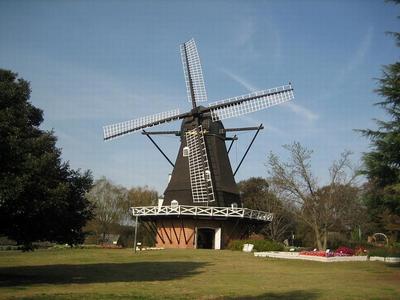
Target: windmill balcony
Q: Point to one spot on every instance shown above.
(202, 211)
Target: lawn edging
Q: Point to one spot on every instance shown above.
(296, 255)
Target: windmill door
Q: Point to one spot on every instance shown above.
(208, 238)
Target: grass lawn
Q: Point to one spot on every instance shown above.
(187, 274)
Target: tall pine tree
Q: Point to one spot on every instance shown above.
(382, 164)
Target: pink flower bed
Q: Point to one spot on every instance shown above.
(344, 251)
(317, 253)
(341, 251)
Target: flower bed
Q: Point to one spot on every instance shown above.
(341, 251)
(344, 251)
(317, 253)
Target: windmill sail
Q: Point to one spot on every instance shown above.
(241, 105)
(199, 169)
(123, 128)
(195, 87)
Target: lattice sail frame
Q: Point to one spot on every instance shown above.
(127, 127)
(199, 169)
(193, 72)
(241, 105)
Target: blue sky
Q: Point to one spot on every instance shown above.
(92, 63)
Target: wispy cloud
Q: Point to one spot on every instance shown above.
(358, 57)
(302, 111)
(245, 32)
(247, 42)
(296, 108)
(351, 65)
(247, 85)
(361, 52)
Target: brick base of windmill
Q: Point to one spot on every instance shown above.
(199, 227)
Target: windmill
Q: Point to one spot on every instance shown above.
(202, 183)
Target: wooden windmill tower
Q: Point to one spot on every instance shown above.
(201, 206)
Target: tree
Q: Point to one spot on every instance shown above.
(41, 198)
(111, 206)
(112, 215)
(382, 164)
(256, 194)
(141, 196)
(322, 208)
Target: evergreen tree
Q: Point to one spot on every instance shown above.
(41, 198)
(382, 164)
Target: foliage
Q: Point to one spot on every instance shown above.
(384, 252)
(142, 196)
(360, 251)
(111, 206)
(259, 245)
(255, 194)
(112, 215)
(41, 198)
(334, 207)
(382, 164)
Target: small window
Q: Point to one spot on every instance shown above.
(186, 151)
(174, 203)
(208, 175)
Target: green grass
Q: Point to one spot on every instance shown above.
(187, 274)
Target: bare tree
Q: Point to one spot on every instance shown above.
(321, 208)
(110, 205)
(256, 194)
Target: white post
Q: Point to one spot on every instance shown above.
(217, 239)
(136, 229)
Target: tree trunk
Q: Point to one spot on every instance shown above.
(317, 237)
(325, 237)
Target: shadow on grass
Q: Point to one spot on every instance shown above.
(393, 265)
(98, 273)
(292, 295)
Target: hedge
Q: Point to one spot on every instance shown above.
(259, 245)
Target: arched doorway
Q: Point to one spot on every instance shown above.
(205, 238)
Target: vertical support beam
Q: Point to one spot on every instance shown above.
(136, 230)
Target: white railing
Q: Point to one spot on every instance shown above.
(206, 211)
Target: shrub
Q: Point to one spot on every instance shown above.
(259, 245)
(236, 245)
(360, 251)
(385, 252)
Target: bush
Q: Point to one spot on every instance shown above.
(259, 245)
(385, 252)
